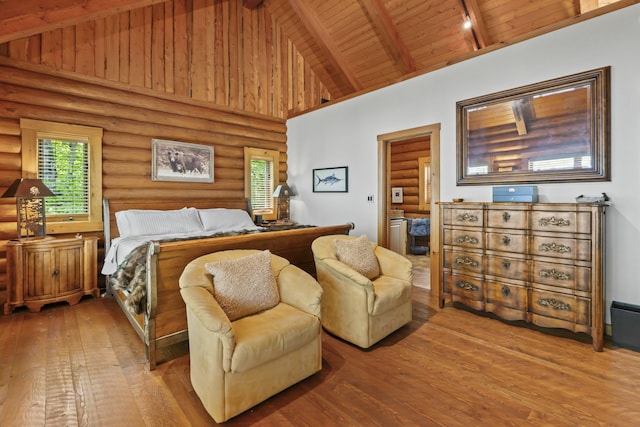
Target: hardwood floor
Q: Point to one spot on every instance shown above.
(84, 365)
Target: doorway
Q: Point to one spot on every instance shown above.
(385, 141)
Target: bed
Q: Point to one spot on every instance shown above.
(160, 319)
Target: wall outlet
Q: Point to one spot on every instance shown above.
(370, 198)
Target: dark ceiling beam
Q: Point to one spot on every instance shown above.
(251, 4)
(478, 27)
(24, 18)
(336, 61)
(388, 34)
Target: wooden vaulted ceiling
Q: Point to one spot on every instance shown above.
(354, 46)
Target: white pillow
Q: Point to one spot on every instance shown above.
(223, 220)
(139, 222)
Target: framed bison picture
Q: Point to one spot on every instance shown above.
(181, 161)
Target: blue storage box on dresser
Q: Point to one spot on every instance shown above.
(515, 193)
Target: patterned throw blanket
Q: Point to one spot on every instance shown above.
(131, 274)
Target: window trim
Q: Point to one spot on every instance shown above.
(32, 130)
(261, 153)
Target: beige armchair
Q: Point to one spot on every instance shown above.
(358, 309)
(236, 365)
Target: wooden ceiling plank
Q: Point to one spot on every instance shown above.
(251, 4)
(24, 18)
(323, 39)
(388, 34)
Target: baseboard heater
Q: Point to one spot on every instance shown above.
(625, 325)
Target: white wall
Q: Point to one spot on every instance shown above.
(345, 134)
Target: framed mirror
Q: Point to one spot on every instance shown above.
(553, 131)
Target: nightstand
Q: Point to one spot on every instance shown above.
(48, 270)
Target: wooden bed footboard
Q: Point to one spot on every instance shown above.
(166, 319)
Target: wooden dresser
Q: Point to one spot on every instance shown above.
(43, 271)
(541, 263)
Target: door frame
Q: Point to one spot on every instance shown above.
(384, 190)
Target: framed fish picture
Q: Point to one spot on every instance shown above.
(331, 180)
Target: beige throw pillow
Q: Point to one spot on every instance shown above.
(244, 286)
(359, 255)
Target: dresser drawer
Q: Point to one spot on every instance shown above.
(512, 268)
(505, 218)
(464, 238)
(507, 295)
(466, 289)
(465, 217)
(463, 261)
(561, 222)
(507, 242)
(563, 248)
(562, 275)
(569, 308)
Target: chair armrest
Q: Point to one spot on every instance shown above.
(393, 264)
(346, 280)
(348, 272)
(208, 311)
(209, 326)
(299, 289)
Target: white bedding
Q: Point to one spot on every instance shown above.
(138, 227)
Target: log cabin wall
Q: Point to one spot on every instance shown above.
(130, 119)
(200, 71)
(404, 170)
(208, 50)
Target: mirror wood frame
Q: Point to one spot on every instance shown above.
(540, 133)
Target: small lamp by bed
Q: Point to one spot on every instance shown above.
(283, 194)
(29, 194)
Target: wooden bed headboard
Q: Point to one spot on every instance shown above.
(110, 207)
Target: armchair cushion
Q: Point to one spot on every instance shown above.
(359, 255)
(244, 286)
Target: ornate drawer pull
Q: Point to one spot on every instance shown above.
(554, 247)
(505, 290)
(506, 264)
(558, 275)
(506, 240)
(467, 217)
(559, 222)
(506, 217)
(462, 284)
(467, 239)
(465, 260)
(554, 303)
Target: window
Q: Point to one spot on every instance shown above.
(261, 173)
(68, 159)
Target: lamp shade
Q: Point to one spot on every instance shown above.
(24, 188)
(283, 190)
(29, 194)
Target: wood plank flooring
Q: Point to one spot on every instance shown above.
(84, 365)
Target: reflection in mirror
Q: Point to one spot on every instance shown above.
(551, 131)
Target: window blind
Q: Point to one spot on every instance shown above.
(261, 184)
(64, 167)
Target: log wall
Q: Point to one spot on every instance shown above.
(207, 50)
(405, 173)
(130, 118)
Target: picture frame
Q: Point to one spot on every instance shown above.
(331, 180)
(181, 161)
(397, 195)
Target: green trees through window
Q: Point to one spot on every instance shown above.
(64, 167)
